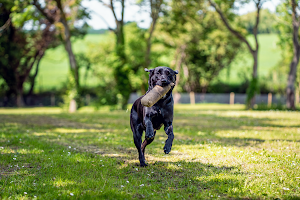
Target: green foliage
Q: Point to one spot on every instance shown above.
(252, 90)
(71, 93)
(102, 58)
(203, 45)
(104, 62)
(20, 18)
(276, 107)
(285, 26)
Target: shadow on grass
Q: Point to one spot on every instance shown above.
(48, 174)
(104, 163)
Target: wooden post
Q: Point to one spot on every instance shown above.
(192, 98)
(73, 106)
(269, 99)
(231, 100)
(52, 100)
(87, 99)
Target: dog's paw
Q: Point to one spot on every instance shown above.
(143, 165)
(167, 149)
(151, 137)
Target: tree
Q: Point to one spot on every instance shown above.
(21, 48)
(266, 24)
(290, 90)
(57, 14)
(121, 69)
(288, 22)
(253, 87)
(203, 44)
(155, 9)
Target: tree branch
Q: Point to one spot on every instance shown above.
(42, 11)
(7, 23)
(255, 29)
(113, 11)
(123, 8)
(295, 25)
(236, 33)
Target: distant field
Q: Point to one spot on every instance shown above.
(269, 56)
(55, 65)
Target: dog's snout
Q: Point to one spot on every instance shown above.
(164, 80)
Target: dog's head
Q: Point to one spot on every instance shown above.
(161, 76)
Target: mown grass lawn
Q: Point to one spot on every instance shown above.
(219, 152)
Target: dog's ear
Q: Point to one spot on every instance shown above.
(176, 71)
(149, 70)
(150, 84)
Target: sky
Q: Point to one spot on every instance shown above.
(99, 12)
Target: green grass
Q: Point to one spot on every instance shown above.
(54, 66)
(219, 152)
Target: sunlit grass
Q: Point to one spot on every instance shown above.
(219, 151)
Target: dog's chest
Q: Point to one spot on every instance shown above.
(157, 121)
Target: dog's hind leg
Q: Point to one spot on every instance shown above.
(137, 137)
(147, 142)
(137, 130)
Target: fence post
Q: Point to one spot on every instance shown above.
(192, 98)
(73, 106)
(87, 99)
(52, 100)
(231, 100)
(270, 99)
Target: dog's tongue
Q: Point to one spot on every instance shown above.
(155, 95)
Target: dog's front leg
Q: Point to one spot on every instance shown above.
(150, 113)
(169, 131)
(149, 129)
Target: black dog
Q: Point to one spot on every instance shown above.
(150, 119)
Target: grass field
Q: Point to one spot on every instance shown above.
(268, 57)
(219, 152)
(54, 66)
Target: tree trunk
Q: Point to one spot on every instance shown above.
(32, 81)
(253, 87)
(19, 97)
(120, 72)
(68, 44)
(290, 90)
(74, 68)
(68, 47)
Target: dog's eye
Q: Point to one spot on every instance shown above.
(167, 72)
(157, 72)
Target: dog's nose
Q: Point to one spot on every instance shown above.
(164, 81)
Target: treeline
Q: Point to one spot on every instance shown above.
(267, 22)
(197, 38)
